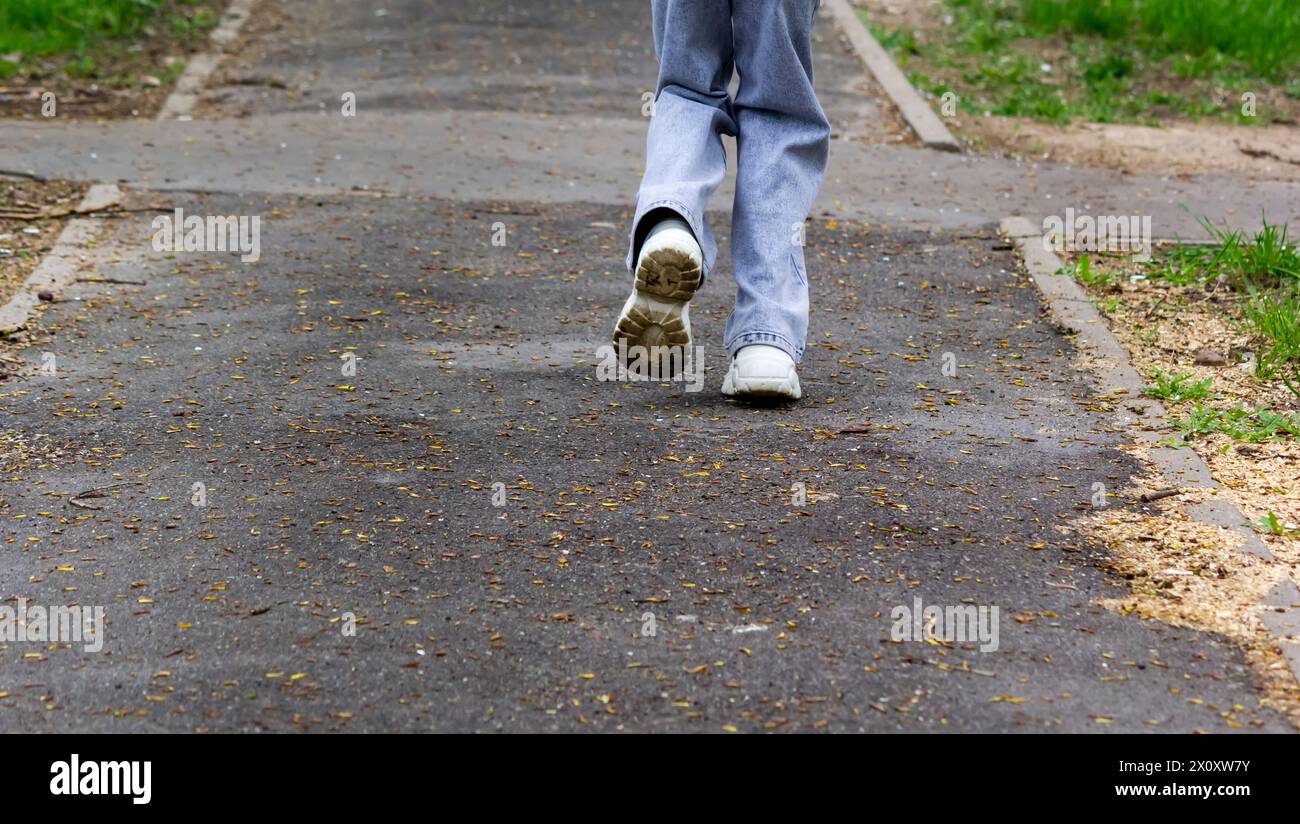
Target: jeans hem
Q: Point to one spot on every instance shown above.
(697, 228)
(771, 338)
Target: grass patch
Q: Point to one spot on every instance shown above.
(1270, 524)
(1108, 60)
(1263, 35)
(1264, 270)
(1265, 260)
(33, 29)
(48, 27)
(1238, 423)
(1251, 281)
(1083, 271)
(99, 58)
(1175, 388)
(72, 34)
(1276, 319)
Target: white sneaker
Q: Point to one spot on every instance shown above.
(668, 271)
(762, 371)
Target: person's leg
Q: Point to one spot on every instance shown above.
(782, 144)
(685, 159)
(671, 248)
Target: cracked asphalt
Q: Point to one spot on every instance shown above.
(391, 420)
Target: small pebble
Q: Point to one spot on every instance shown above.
(1210, 357)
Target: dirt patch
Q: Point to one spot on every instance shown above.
(917, 15)
(1262, 153)
(25, 240)
(262, 33)
(1171, 328)
(1181, 572)
(1187, 574)
(112, 79)
(1165, 140)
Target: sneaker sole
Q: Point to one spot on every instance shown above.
(668, 273)
(787, 388)
(657, 314)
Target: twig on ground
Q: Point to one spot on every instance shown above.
(77, 500)
(108, 208)
(1148, 497)
(113, 280)
(23, 175)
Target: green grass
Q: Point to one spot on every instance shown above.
(74, 33)
(1238, 423)
(1275, 318)
(1264, 260)
(1094, 277)
(1258, 275)
(1184, 265)
(1176, 389)
(1270, 524)
(1263, 35)
(1107, 60)
(1263, 270)
(54, 27)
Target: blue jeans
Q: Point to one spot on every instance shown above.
(782, 137)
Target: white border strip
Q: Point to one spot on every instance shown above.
(60, 266)
(918, 114)
(1181, 468)
(180, 103)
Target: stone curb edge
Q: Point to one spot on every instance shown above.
(180, 103)
(58, 267)
(918, 114)
(61, 264)
(1181, 468)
